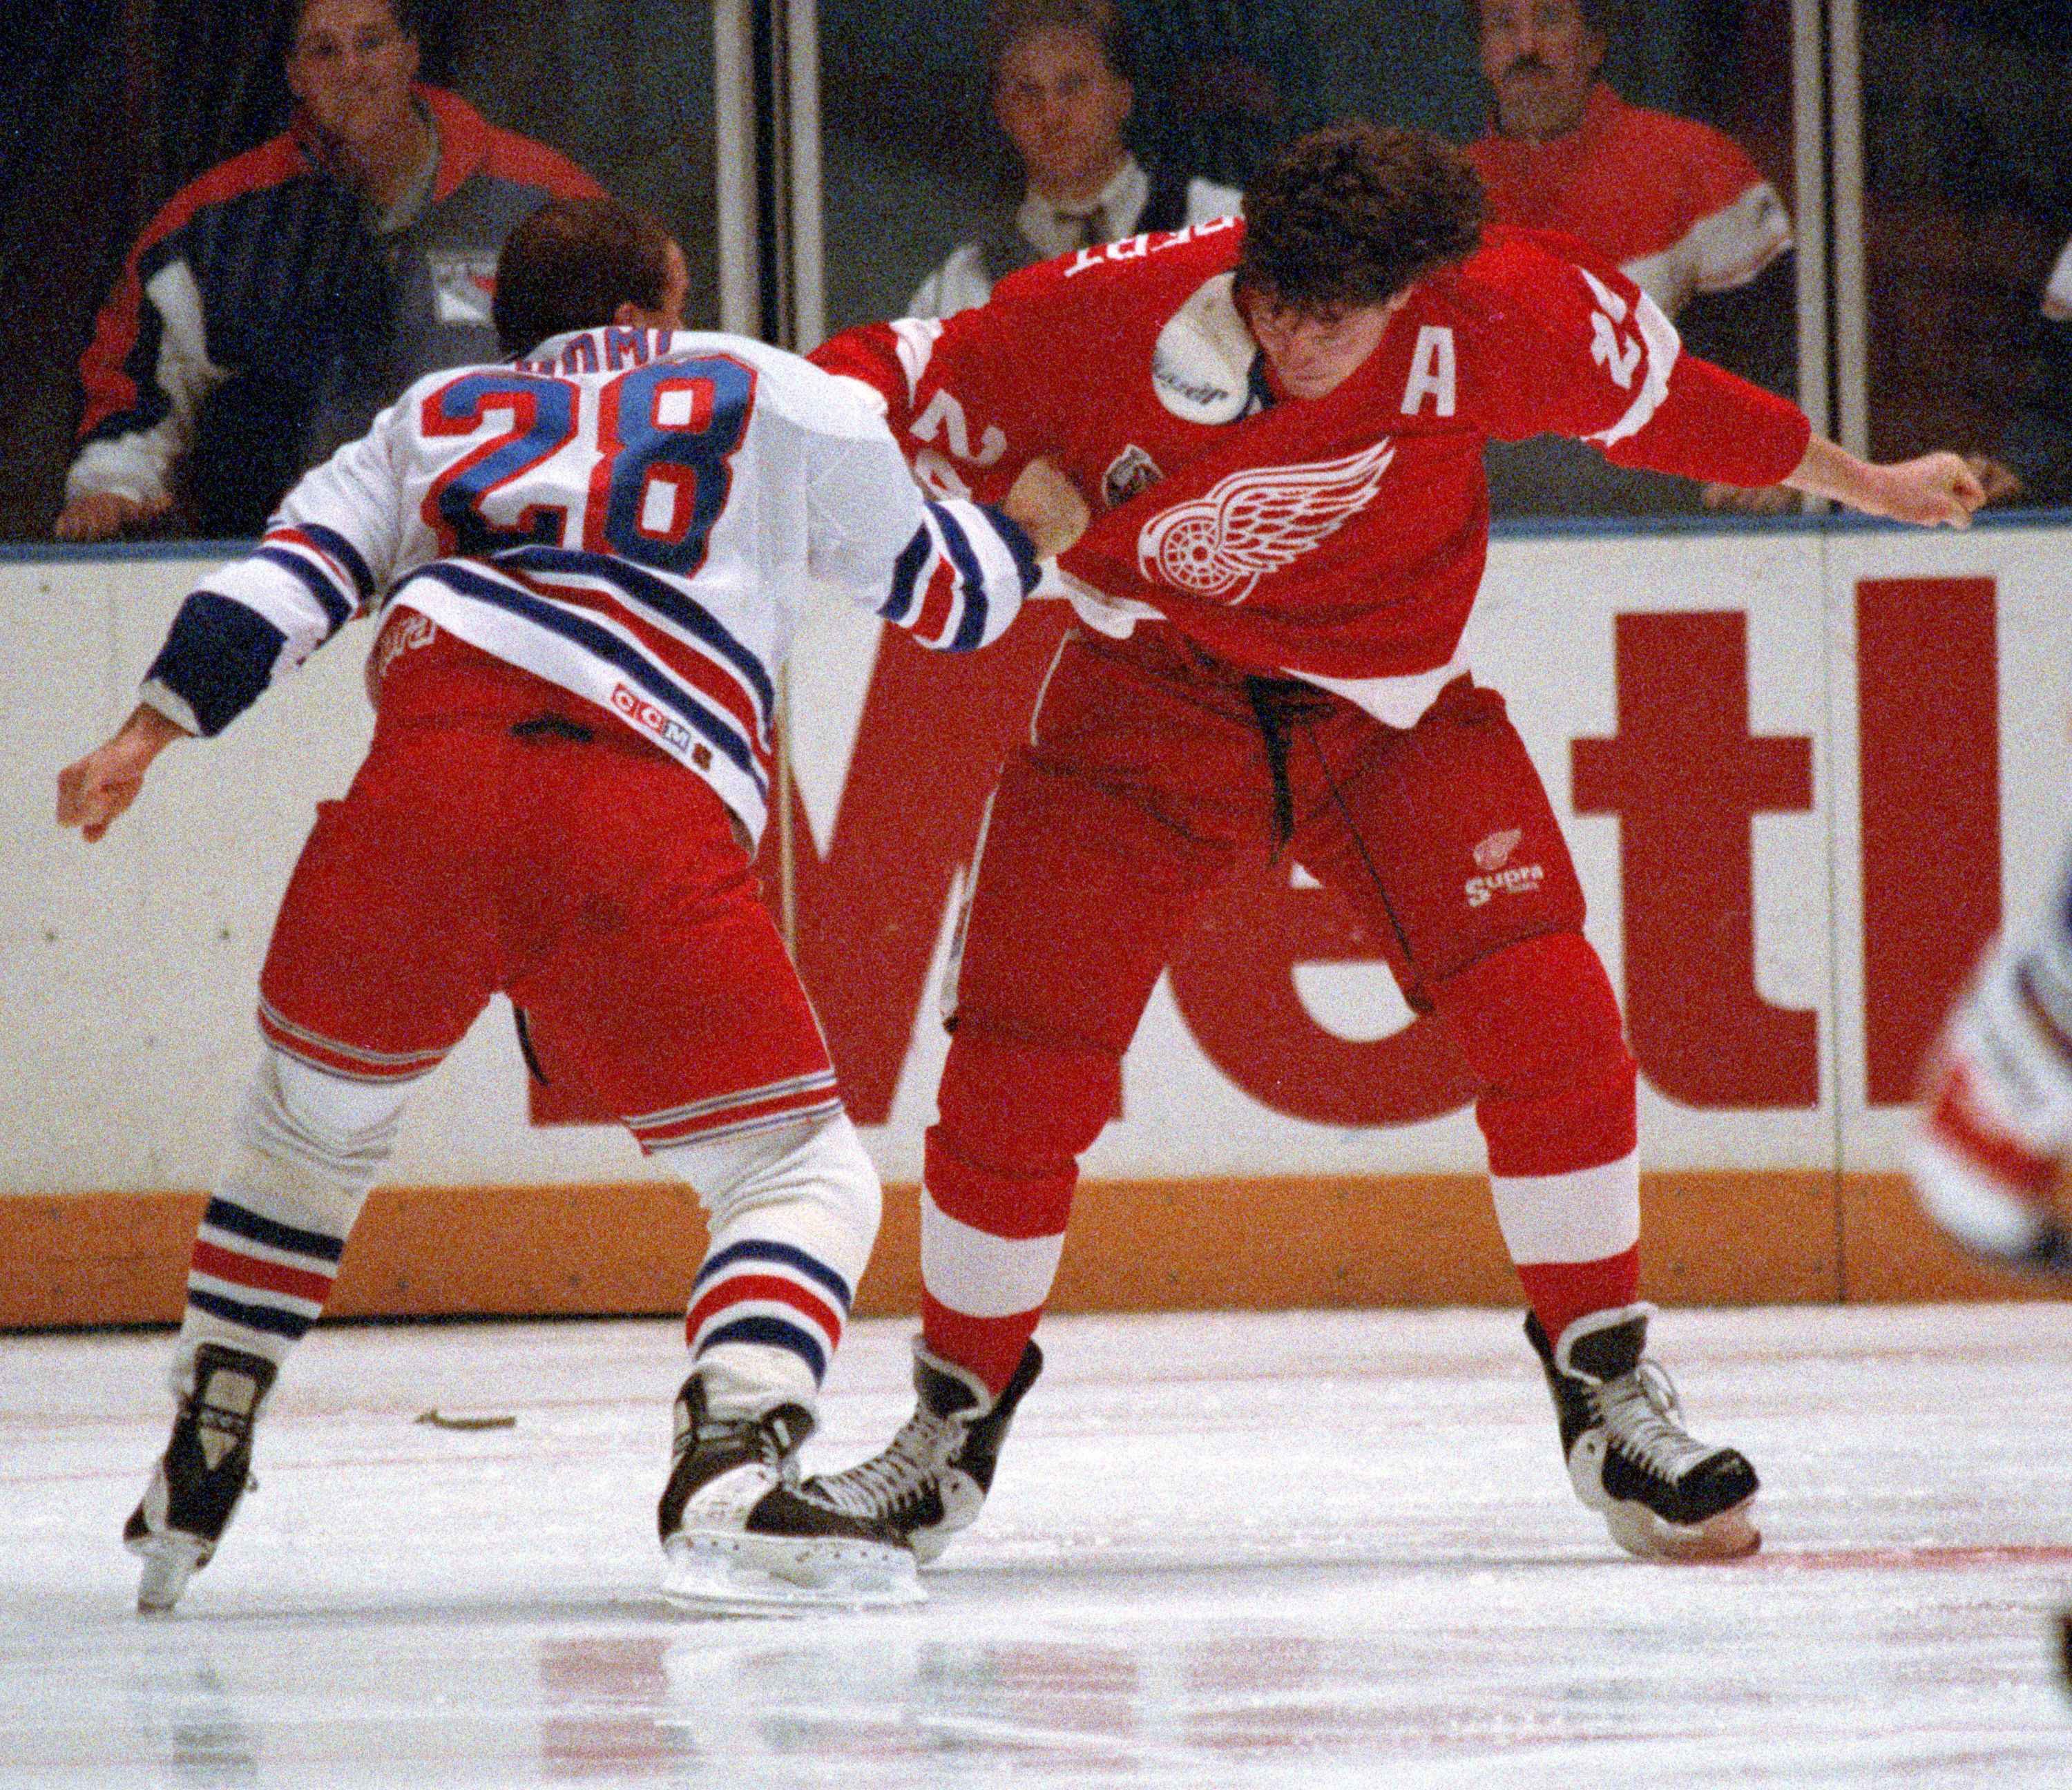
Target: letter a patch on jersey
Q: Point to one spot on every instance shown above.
(1433, 373)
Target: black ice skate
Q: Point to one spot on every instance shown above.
(933, 1476)
(740, 1540)
(204, 1471)
(1663, 1494)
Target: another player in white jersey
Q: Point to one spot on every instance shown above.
(586, 563)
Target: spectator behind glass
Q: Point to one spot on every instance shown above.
(1057, 71)
(2033, 462)
(1224, 86)
(280, 300)
(1680, 207)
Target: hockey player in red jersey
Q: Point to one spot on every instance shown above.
(1280, 424)
(588, 562)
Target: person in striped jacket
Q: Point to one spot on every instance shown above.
(586, 564)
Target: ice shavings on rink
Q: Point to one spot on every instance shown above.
(1317, 1548)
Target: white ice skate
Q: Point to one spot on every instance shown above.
(1663, 1494)
(931, 1480)
(740, 1541)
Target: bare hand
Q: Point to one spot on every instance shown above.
(2002, 483)
(104, 516)
(1751, 500)
(1933, 488)
(1049, 507)
(93, 791)
(1939, 487)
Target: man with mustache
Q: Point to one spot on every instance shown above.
(1681, 207)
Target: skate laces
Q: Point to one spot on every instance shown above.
(900, 1475)
(1641, 1413)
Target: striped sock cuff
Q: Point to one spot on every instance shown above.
(773, 1294)
(253, 1271)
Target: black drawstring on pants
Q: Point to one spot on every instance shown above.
(1278, 704)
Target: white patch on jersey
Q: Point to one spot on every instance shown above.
(1257, 520)
(1432, 372)
(1201, 368)
(463, 285)
(913, 340)
(945, 416)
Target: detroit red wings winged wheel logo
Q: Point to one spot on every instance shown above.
(1218, 545)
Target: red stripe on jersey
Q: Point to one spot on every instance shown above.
(732, 1289)
(937, 602)
(691, 664)
(261, 1276)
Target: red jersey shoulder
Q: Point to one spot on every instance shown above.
(1523, 278)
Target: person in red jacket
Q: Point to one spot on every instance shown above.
(1277, 425)
(1681, 207)
(280, 300)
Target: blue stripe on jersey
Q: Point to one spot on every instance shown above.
(218, 657)
(601, 644)
(241, 1221)
(271, 1319)
(341, 550)
(642, 586)
(319, 586)
(971, 630)
(773, 1332)
(762, 1249)
(905, 573)
(1018, 544)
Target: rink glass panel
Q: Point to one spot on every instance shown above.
(1966, 207)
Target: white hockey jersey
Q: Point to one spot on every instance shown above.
(632, 515)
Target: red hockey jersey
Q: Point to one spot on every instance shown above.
(1340, 536)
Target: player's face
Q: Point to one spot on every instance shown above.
(1539, 57)
(1312, 352)
(1063, 108)
(352, 67)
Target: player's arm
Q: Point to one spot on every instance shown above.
(1931, 489)
(330, 549)
(1610, 369)
(952, 572)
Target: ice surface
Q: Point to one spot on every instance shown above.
(1224, 1551)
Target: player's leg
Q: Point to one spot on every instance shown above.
(1443, 834)
(671, 998)
(371, 978)
(1997, 1128)
(1099, 843)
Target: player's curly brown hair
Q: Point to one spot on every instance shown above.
(1353, 214)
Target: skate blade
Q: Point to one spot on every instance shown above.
(1731, 1535)
(170, 1561)
(774, 1575)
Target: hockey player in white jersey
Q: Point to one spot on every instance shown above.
(586, 564)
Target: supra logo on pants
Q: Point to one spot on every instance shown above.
(1500, 876)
